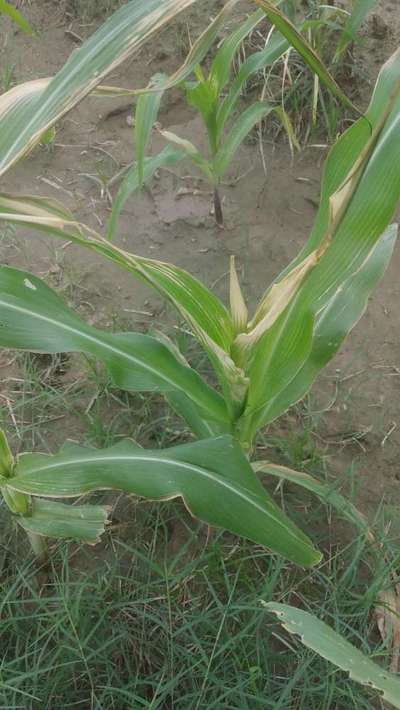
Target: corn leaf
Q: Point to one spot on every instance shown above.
(222, 64)
(326, 493)
(360, 191)
(145, 116)
(204, 312)
(359, 11)
(85, 523)
(132, 181)
(123, 33)
(297, 41)
(213, 477)
(240, 129)
(335, 322)
(33, 317)
(322, 639)
(7, 9)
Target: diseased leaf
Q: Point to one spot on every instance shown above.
(85, 523)
(22, 123)
(327, 494)
(322, 639)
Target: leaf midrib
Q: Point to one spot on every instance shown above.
(157, 460)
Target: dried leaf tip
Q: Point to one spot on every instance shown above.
(238, 306)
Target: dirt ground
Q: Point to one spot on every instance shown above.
(268, 219)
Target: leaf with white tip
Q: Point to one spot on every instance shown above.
(122, 34)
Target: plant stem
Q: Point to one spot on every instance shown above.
(39, 547)
(219, 217)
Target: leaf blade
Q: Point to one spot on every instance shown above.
(213, 477)
(320, 637)
(33, 317)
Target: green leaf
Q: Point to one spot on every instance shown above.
(203, 97)
(297, 41)
(191, 151)
(240, 129)
(22, 124)
(7, 9)
(33, 317)
(359, 11)
(328, 494)
(201, 428)
(336, 321)
(360, 191)
(222, 64)
(213, 477)
(85, 523)
(145, 116)
(322, 639)
(204, 312)
(6, 457)
(131, 182)
(256, 62)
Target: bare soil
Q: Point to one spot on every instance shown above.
(268, 219)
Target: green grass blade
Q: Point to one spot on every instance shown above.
(358, 13)
(240, 129)
(85, 523)
(213, 477)
(132, 181)
(122, 34)
(35, 318)
(7, 9)
(297, 41)
(322, 639)
(145, 116)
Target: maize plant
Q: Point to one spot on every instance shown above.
(216, 101)
(263, 362)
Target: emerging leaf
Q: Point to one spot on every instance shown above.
(239, 310)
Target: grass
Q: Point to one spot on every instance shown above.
(165, 613)
(159, 617)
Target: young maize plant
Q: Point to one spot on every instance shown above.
(263, 364)
(216, 104)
